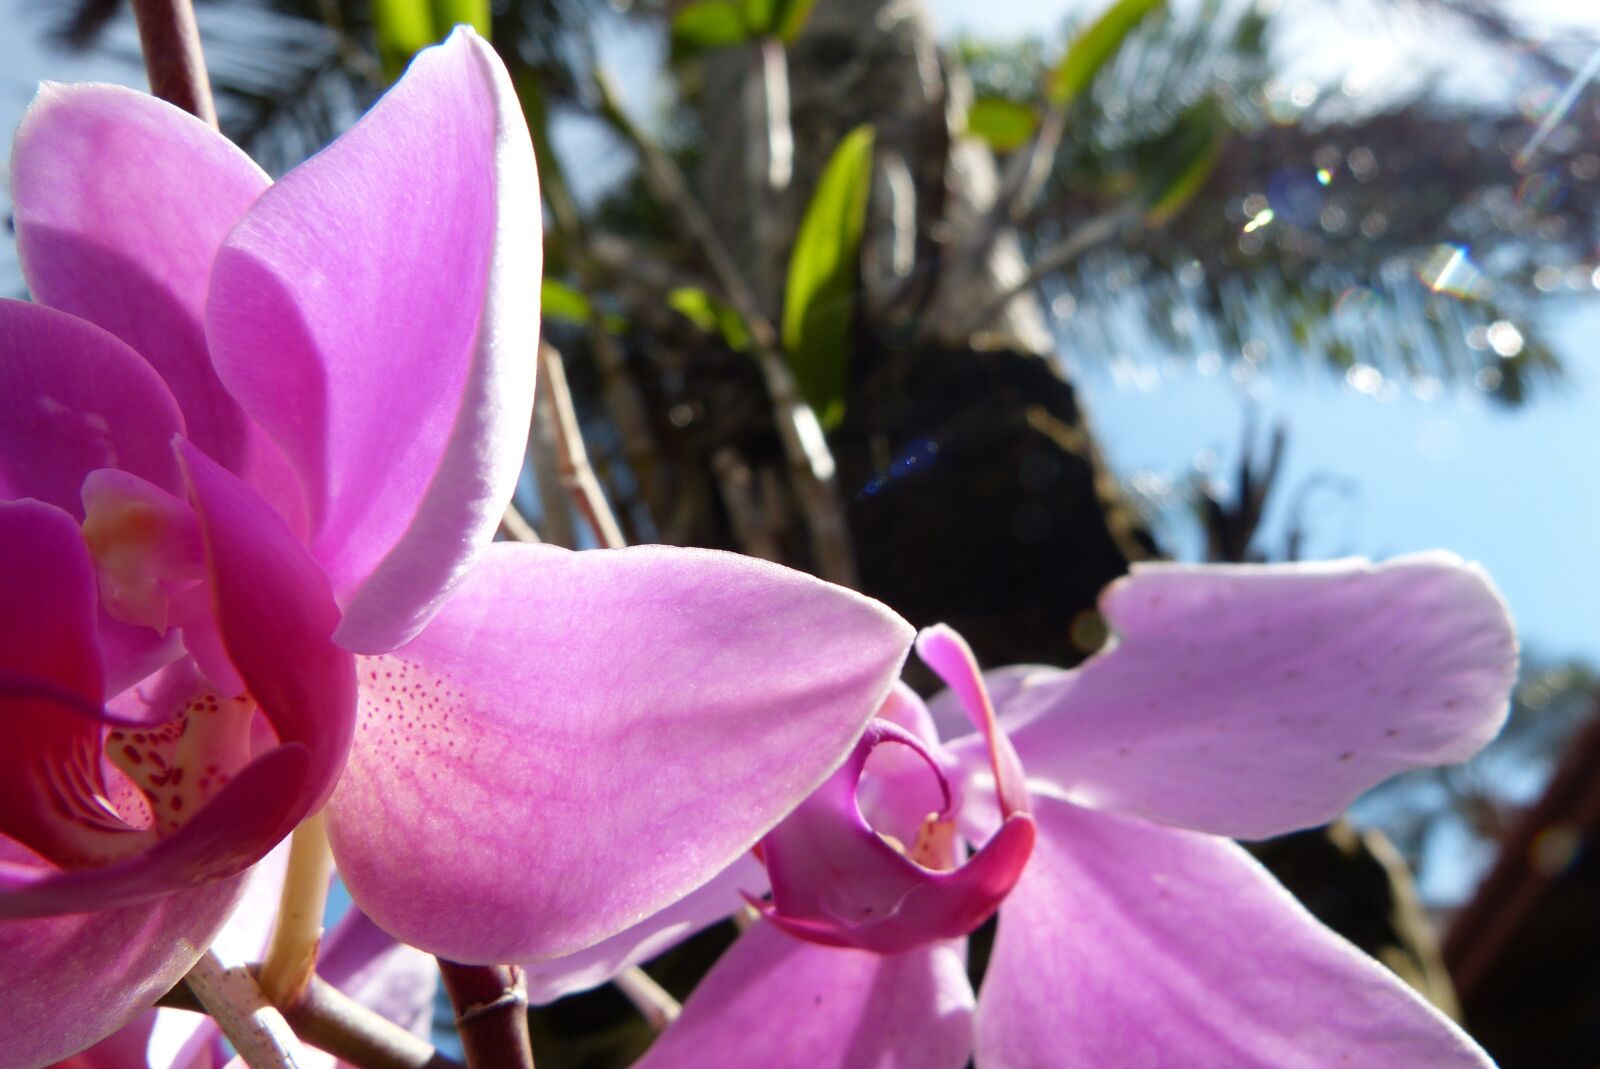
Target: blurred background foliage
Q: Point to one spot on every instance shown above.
(817, 313)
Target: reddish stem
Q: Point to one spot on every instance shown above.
(491, 1004)
(170, 38)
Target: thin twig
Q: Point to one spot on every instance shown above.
(253, 1025)
(736, 483)
(514, 527)
(806, 449)
(1096, 231)
(648, 997)
(491, 1004)
(331, 1021)
(620, 391)
(575, 472)
(170, 40)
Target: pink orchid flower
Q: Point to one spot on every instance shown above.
(1234, 702)
(254, 442)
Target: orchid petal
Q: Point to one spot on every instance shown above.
(74, 979)
(1129, 943)
(122, 202)
(276, 616)
(72, 399)
(696, 911)
(835, 880)
(948, 654)
(178, 1039)
(548, 763)
(772, 1002)
(1251, 701)
(377, 312)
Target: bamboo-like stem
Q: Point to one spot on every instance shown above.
(575, 472)
(769, 157)
(292, 956)
(170, 40)
(811, 463)
(254, 1026)
(648, 997)
(491, 1004)
(331, 1021)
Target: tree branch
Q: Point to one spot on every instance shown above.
(331, 1021)
(170, 40)
(811, 463)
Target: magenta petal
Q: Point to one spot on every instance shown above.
(580, 739)
(72, 399)
(1250, 701)
(948, 654)
(390, 978)
(696, 911)
(772, 1002)
(69, 981)
(1131, 944)
(836, 881)
(276, 615)
(377, 313)
(122, 201)
(48, 628)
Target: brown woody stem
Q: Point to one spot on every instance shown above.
(170, 39)
(491, 1003)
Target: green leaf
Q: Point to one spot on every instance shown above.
(725, 23)
(790, 18)
(1004, 124)
(451, 13)
(1095, 47)
(406, 27)
(557, 300)
(403, 28)
(819, 299)
(1175, 167)
(709, 24)
(710, 315)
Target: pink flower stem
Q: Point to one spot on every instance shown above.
(170, 38)
(491, 1004)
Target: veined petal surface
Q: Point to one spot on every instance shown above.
(1132, 944)
(1251, 701)
(774, 1002)
(580, 739)
(377, 312)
